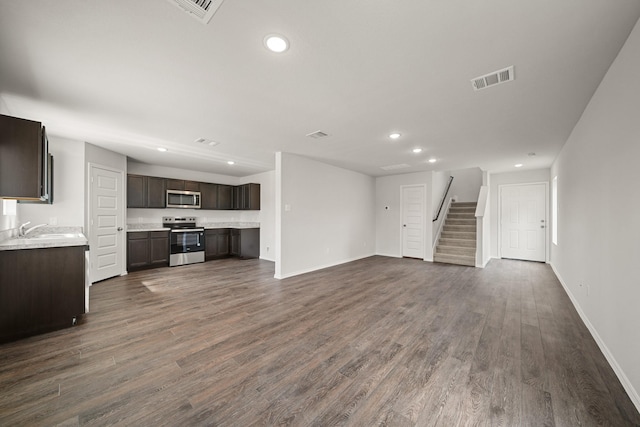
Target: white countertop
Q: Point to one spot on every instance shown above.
(49, 238)
(206, 225)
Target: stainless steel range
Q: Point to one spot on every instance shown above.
(187, 240)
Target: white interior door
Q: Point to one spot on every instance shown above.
(523, 222)
(106, 224)
(413, 206)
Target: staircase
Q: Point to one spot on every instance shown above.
(457, 244)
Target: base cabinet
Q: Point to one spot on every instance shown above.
(146, 249)
(216, 243)
(245, 242)
(41, 290)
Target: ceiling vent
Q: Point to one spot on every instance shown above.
(492, 79)
(317, 134)
(394, 167)
(202, 10)
(208, 142)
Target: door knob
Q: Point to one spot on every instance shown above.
(119, 228)
(542, 226)
(404, 225)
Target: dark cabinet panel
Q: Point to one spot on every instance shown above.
(146, 192)
(23, 159)
(181, 184)
(41, 290)
(246, 197)
(225, 197)
(209, 196)
(156, 192)
(216, 243)
(159, 248)
(175, 184)
(147, 249)
(136, 191)
(250, 243)
(234, 246)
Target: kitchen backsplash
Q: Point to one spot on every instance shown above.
(154, 216)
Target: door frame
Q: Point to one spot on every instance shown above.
(546, 214)
(424, 214)
(122, 254)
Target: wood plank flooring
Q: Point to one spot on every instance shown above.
(380, 341)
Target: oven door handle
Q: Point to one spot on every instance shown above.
(177, 230)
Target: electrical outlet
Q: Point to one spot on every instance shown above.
(267, 248)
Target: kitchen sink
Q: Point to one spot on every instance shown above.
(55, 236)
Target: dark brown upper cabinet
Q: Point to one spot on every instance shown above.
(225, 197)
(24, 160)
(246, 197)
(209, 196)
(146, 191)
(182, 185)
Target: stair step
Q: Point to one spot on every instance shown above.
(464, 204)
(459, 235)
(464, 228)
(453, 215)
(455, 259)
(455, 250)
(460, 221)
(467, 243)
(462, 209)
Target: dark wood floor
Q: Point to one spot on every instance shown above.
(380, 341)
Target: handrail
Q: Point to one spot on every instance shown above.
(444, 197)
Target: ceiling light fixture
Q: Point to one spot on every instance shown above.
(231, 162)
(162, 149)
(519, 165)
(276, 43)
(394, 135)
(417, 150)
(432, 160)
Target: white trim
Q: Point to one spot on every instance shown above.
(546, 213)
(321, 267)
(626, 383)
(123, 188)
(424, 219)
(441, 224)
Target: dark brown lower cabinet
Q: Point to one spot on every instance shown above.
(245, 242)
(216, 243)
(146, 249)
(41, 290)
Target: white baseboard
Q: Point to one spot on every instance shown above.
(320, 267)
(389, 255)
(628, 386)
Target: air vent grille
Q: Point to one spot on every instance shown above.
(205, 141)
(317, 134)
(202, 10)
(492, 79)
(394, 167)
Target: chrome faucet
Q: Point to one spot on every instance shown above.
(22, 232)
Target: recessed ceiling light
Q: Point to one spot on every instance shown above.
(432, 160)
(162, 149)
(394, 135)
(231, 162)
(417, 150)
(276, 43)
(519, 165)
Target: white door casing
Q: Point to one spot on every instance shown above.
(106, 222)
(413, 217)
(523, 221)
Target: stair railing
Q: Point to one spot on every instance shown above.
(444, 197)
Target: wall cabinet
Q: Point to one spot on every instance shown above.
(217, 243)
(146, 192)
(150, 192)
(146, 249)
(182, 185)
(41, 290)
(24, 159)
(209, 196)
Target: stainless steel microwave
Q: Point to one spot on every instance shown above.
(183, 199)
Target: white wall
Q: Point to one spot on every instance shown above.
(598, 209)
(68, 187)
(388, 221)
(331, 217)
(168, 172)
(466, 184)
(498, 179)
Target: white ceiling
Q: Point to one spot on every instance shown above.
(134, 75)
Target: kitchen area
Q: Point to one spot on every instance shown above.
(167, 217)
